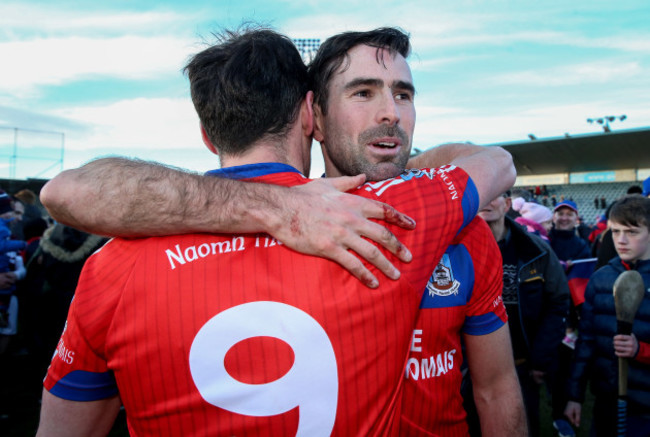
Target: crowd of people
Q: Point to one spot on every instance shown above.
(450, 326)
(587, 261)
(40, 262)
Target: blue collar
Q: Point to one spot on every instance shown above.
(252, 170)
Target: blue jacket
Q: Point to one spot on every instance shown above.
(568, 246)
(595, 358)
(543, 296)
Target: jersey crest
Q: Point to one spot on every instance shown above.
(442, 281)
(452, 280)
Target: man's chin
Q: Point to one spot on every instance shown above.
(385, 170)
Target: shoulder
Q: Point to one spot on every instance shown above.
(477, 228)
(604, 277)
(449, 179)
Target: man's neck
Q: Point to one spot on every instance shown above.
(259, 154)
(293, 148)
(498, 229)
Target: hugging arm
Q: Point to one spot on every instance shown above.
(130, 198)
(491, 168)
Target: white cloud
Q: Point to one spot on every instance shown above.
(139, 123)
(436, 125)
(54, 61)
(54, 18)
(598, 72)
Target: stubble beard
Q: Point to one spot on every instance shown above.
(350, 158)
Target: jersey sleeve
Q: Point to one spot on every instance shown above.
(442, 201)
(486, 312)
(79, 370)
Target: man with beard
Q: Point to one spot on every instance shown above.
(371, 100)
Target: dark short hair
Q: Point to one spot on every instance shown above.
(334, 52)
(631, 210)
(247, 86)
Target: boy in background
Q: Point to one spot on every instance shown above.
(598, 345)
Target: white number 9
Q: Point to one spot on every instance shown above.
(311, 384)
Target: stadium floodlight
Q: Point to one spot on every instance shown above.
(307, 47)
(604, 121)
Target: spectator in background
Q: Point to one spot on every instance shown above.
(29, 290)
(599, 346)
(603, 202)
(553, 201)
(564, 239)
(58, 261)
(635, 189)
(536, 297)
(599, 228)
(27, 205)
(603, 246)
(537, 219)
(519, 196)
(568, 246)
(12, 269)
(583, 230)
(646, 187)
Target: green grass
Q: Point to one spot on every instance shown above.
(546, 421)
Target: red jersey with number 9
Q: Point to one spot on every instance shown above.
(238, 335)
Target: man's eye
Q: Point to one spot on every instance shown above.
(404, 96)
(362, 93)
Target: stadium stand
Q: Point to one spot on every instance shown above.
(583, 195)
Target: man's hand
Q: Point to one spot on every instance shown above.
(7, 280)
(572, 412)
(327, 222)
(625, 346)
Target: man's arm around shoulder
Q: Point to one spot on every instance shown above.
(131, 198)
(491, 168)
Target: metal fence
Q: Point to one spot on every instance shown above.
(30, 153)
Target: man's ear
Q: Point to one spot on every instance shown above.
(307, 114)
(318, 123)
(508, 203)
(207, 142)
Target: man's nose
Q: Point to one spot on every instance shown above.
(388, 111)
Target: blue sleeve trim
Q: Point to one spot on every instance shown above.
(83, 386)
(483, 324)
(470, 202)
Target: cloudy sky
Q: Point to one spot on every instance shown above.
(105, 76)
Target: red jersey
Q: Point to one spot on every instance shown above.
(239, 335)
(463, 295)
